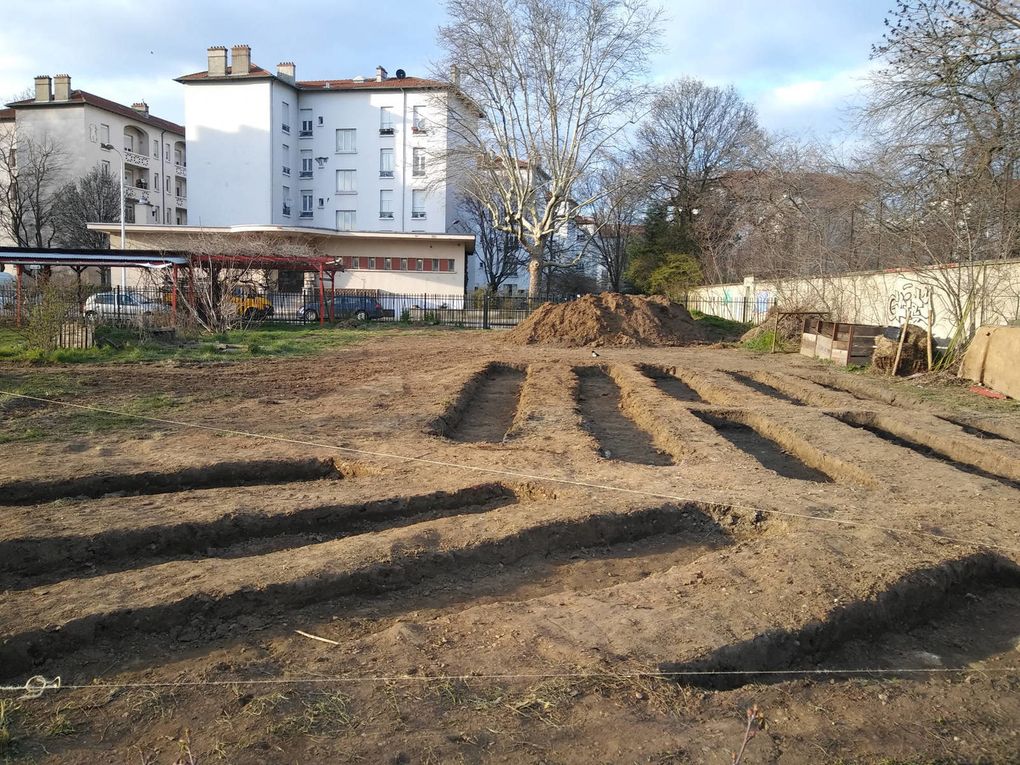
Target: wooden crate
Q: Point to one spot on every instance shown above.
(842, 343)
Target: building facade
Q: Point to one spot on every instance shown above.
(89, 131)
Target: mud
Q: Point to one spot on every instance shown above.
(915, 599)
(488, 410)
(155, 482)
(618, 437)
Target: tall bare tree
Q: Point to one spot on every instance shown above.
(619, 199)
(499, 253)
(93, 198)
(31, 174)
(555, 81)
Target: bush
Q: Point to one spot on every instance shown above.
(405, 316)
(46, 318)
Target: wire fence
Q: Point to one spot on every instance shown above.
(743, 309)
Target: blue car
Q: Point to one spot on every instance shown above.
(360, 307)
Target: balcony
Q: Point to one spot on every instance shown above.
(305, 133)
(418, 128)
(386, 130)
(307, 214)
(417, 214)
(138, 160)
(305, 174)
(136, 194)
(385, 215)
(286, 210)
(181, 171)
(385, 173)
(182, 201)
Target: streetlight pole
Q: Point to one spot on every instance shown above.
(123, 201)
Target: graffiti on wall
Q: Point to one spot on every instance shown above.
(909, 302)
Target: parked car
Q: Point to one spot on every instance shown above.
(360, 307)
(121, 304)
(250, 304)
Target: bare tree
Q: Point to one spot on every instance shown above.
(555, 82)
(93, 198)
(619, 198)
(30, 176)
(499, 253)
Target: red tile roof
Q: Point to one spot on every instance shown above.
(84, 97)
(369, 83)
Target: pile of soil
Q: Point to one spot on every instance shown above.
(915, 350)
(790, 327)
(609, 319)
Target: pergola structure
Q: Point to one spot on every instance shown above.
(80, 259)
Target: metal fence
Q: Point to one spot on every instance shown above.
(744, 310)
(165, 308)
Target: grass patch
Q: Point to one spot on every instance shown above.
(762, 343)
(126, 346)
(719, 328)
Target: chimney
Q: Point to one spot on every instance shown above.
(62, 87)
(455, 75)
(380, 74)
(42, 88)
(141, 107)
(240, 60)
(217, 61)
(286, 71)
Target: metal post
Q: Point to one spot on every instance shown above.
(322, 298)
(173, 295)
(485, 310)
(17, 318)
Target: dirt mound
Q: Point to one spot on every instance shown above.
(915, 351)
(608, 319)
(790, 327)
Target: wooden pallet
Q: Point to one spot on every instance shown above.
(840, 342)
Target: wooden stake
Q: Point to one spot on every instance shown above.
(931, 320)
(899, 348)
(775, 334)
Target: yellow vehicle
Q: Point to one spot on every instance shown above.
(249, 304)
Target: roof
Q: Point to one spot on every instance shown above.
(368, 83)
(6, 115)
(73, 256)
(80, 97)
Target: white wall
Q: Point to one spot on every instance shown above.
(230, 134)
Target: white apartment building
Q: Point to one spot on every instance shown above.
(365, 154)
(91, 131)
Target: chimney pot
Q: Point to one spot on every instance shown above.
(62, 87)
(380, 74)
(43, 90)
(286, 70)
(141, 107)
(240, 60)
(455, 75)
(217, 61)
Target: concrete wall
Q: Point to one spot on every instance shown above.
(975, 294)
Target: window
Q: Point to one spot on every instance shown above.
(385, 163)
(104, 134)
(417, 119)
(166, 150)
(106, 166)
(417, 204)
(449, 265)
(155, 180)
(155, 214)
(286, 159)
(307, 200)
(355, 262)
(286, 200)
(386, 203)
(345, 221)
(345, 182)
(168, 183)
(371, 263)
(419, 265)
(306, 163)
(388, 264)
(129, 142)
(386, 120)
(345, 140)
(155, 149)
(129, 214)
(403, 264)
(306, 124)
(418, 161)
(169, 216)
(285, 108)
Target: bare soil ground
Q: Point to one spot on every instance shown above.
(839, 550)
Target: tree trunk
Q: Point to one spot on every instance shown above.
(534, 277)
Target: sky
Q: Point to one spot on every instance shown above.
(800, 62)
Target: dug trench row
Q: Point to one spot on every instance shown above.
(960, 456)
(734, 428)
(485, 408)
(218, 475)
(952, 614)
(665, 380)
(618, 437)
(117, 608)
(764, 388)
(39, 560)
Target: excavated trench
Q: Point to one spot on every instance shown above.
(34, 647)
(485, 407)
(666, 381)
(219, 475)
(764, 388)
(873, 634)
(867, 421)
(974, 430)
(618, 436)
(766, 451)
(42, 560)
